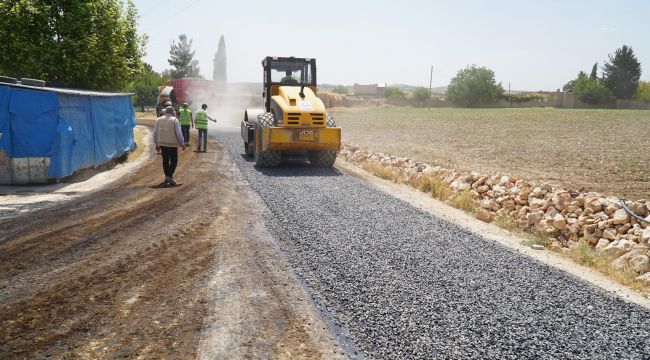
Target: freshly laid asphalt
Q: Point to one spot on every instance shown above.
(408, 285)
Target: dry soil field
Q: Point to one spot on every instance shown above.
(599, 150)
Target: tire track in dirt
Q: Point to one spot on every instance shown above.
(130, 271)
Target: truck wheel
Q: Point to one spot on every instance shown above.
(266, 158)
(249, 149)
(330, 122)
(323, 158)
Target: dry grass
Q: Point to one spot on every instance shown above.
(584, 254)
(599, 150)
(432, 185)
(464, 201)
(531, 236)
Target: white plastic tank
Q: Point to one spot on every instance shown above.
(20, 171)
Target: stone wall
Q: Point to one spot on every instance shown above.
(370, 90)
(633, 104)
(564, 215)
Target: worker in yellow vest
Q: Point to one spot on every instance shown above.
(185, 119)
(201, 124)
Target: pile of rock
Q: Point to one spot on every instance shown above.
(567, 216)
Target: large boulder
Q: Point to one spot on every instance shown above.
(533, 218)
(559, 222)
(620, 217)
(638, 253)
(602, 243)
(609, 234)
(590, 233)
(592, 202)
(640, 263)
(487, 203)
(618, 247)
(484, 215)
(645, 236)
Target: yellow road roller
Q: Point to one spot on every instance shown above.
(293, 120)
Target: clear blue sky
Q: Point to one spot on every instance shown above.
(535, 45)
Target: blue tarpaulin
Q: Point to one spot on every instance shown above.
(75, 129)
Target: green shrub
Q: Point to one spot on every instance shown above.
(421, 95)
(592, 91)
(395, 93)
(474, 86)
(643, 92)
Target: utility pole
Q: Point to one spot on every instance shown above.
(430, 81)
(509, 95)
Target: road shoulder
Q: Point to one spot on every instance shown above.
(258, 304)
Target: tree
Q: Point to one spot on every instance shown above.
(594, 72)
(219, 73)
(90, 44)
(421, 95)
(622, 73)
(340, 89)
(145, 86)
(181, 57)
(568, 87)
(643, 92)
(474, 86)
(592, 91)
(395, 93)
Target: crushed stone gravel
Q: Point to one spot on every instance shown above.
(408, 285)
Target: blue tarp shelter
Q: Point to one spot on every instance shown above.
(75, 129)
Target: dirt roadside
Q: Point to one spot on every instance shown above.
(138, 272)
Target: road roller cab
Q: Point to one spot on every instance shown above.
(293, 119)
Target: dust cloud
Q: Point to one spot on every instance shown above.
(226, 105)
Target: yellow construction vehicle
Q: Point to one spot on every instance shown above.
(293, 118)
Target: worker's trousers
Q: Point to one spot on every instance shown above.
(203, 135)
(185, 129)
(170, 160)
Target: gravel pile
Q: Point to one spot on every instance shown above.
(409, 285)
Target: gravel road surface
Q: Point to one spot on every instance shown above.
(406, 284)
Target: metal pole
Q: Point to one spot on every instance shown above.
(430, 81)
(509, 95)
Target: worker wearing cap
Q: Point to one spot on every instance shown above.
(185, 119)
(201, 124)
(162, 109)
(168, 138)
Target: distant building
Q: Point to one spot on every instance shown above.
(372, 90)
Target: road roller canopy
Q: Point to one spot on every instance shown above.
(303, 70)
